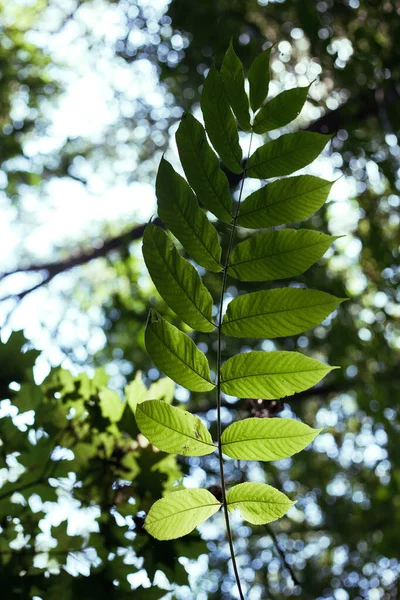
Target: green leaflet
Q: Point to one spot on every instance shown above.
(201, 168)
(176, 280)
(281, 110)
(284, 201)
(233, 79)
(266, 439)
(174, 353)
(173, 430)
(259, 76)
(277, 313)
(179, 209)
(219, 121)
(259, 503)
(287, 154)
(278, 254)
(179, 513)
(270, 375)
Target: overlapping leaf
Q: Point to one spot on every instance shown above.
(281, 110)
(173, 430)
(179, 513)
(174, 353)
(266, 439)
(278, 312)
(270, 375)
(201, 168)
(278, 254)
(219, 121)
(284, 201)
(287, 154)
(259, 77)
(176, 280)
(233, 79)
(259, 503)
(179, 209)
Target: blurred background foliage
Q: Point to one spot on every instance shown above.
(90, 96)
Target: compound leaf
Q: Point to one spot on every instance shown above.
(270, 375)
(179, 209)
(173, 430)
(266, 439)
(179, 513)
(174, 353)
(281, 110)
(233, 79)
(278, 254)
(284, 201)
(201, 167)
(219, 121)
(259, 503)
(259, 77)
(289, 153)
(277, 313)
(176, 280)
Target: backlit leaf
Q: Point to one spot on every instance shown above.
(179, 513)
(266, 439)
(219, 121)
(202, 170)
(259, 503)
(278, 254)
(233, 79)
(180, 211)
(259, 77)
(173, 430)
(277, 313)
(287, 154)
(174, 353)
(281, 110)
(270, 375)
(284, 201)
(176, 280)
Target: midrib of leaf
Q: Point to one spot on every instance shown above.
(182, 511)
(274, 312)
(274, 373)
(181, 360)
(282, 155)
(196, 234)
(183, 289)
(242, 262)
(249, 212)
(204, 171)
(198, 440)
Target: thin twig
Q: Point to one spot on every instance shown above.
(219, 398)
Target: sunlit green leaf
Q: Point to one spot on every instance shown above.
(176, 280)
(287, 154)
(281, 110)
(259, 77)
(277, 313)
(259, 503)
(233, 79)
(270, 375)
(202, 170)
(219, 121)
(266, 439)
(180, 211)
(278, 254)
(284, 201)
(174, 353)
(173, 430)
(179, 513)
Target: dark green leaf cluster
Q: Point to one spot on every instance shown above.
(267, 256)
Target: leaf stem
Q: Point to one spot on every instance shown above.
(219, 398)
